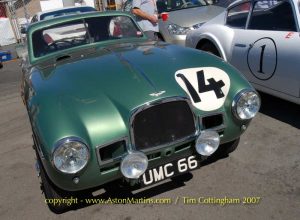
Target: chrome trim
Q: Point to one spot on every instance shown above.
(37, 146)
(62, 141)
(216, 128)
(156, 94)
(119, 158)
(158, 102)
(236, 99)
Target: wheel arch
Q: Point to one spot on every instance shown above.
(206, 38)
(160, 36)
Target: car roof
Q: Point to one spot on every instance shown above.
(241, 1)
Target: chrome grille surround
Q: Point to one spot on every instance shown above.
(148, 105)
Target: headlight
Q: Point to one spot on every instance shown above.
(246, 104)
(70, 155)
(207, 142)
(175, 29)
(134, 165)
(196, 26)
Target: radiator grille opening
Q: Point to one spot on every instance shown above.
(183, 147)
(162, 124)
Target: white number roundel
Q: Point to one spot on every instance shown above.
(207, 87)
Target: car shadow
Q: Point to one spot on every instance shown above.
(280, 109)
(125, 194)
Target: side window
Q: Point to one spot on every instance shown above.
(122, 27)
(237, 16)
(277, 15)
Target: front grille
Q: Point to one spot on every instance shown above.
(162, 124)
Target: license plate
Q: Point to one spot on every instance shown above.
(169, 170)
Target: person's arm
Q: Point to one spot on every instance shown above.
(144, 15)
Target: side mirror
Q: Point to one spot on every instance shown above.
(24, 28)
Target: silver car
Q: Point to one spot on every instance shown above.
(184, 15)
(261, 39)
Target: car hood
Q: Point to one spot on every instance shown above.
(93, 95)
(127, 75)
(191, 16)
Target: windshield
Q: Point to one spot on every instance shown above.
(82, 31)
(221, 3)
(172, 5)
(68, 11)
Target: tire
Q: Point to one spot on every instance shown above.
(53, 193)
(210, 48)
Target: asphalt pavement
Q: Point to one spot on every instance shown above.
(262, 175)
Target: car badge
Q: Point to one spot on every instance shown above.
(156, 94)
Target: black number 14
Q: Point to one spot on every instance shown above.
(202, 87)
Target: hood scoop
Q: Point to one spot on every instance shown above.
(63, 57)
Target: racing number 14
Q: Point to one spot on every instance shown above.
(202, 87)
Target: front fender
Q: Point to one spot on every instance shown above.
(214, 40)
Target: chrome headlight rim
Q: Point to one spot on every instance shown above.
(236, 100)
(66, 140)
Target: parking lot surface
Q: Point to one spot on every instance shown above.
(264, 171)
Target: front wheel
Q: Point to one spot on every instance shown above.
(57, 199)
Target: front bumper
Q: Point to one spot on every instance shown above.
(97, 174)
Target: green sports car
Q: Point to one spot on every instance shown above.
(107, 104)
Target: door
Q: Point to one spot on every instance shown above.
(267, 51)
